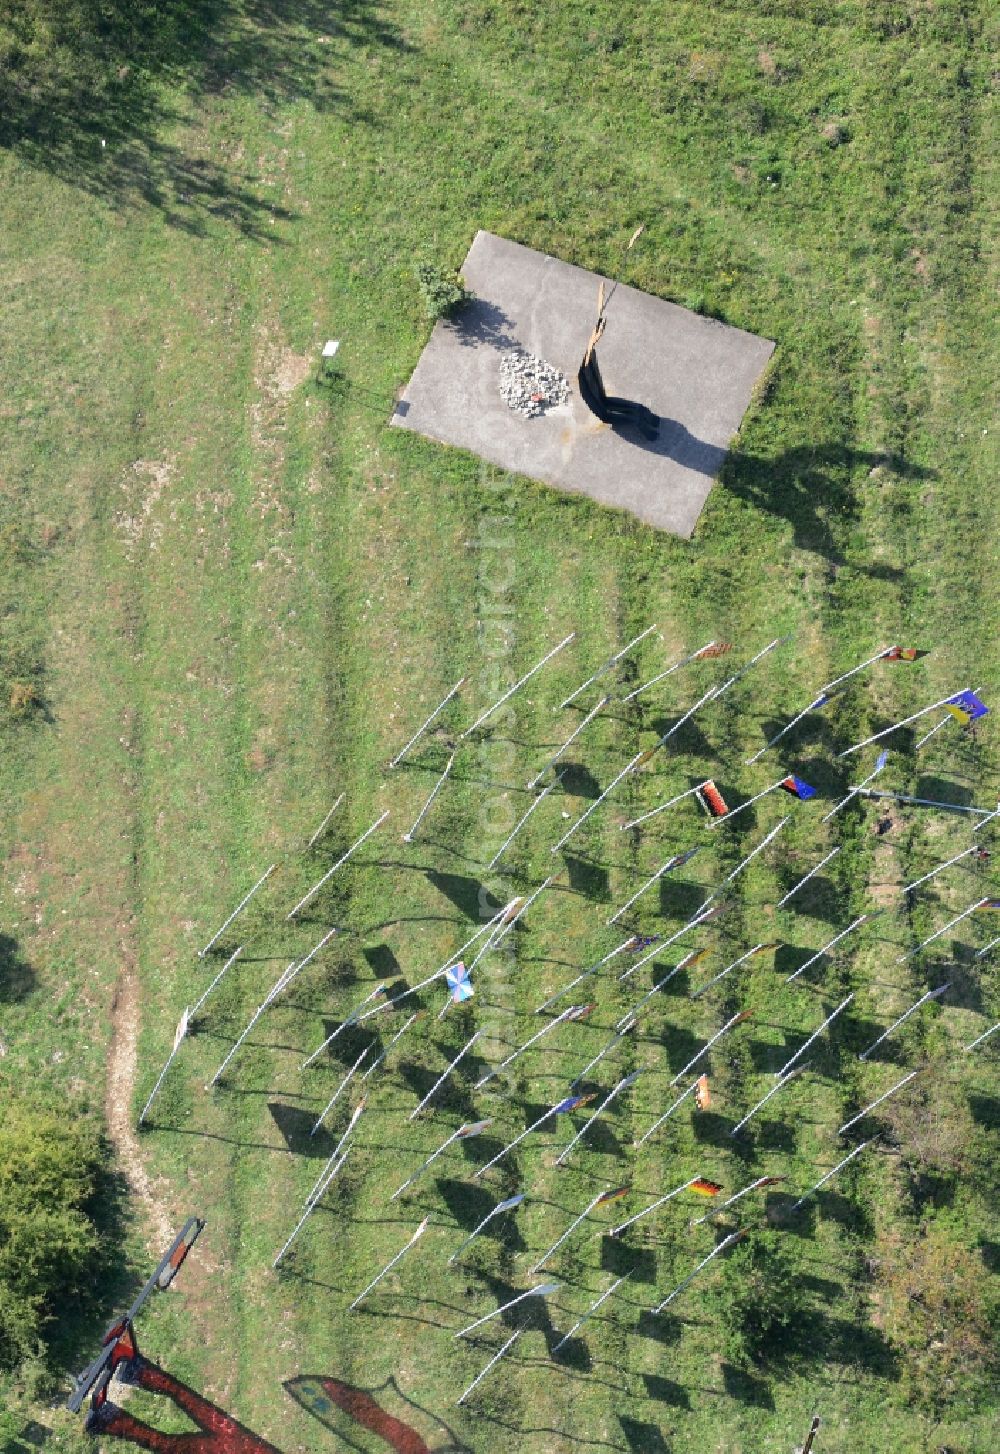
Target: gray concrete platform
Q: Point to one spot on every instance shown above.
(696, 374)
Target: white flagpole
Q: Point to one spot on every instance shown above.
(728, 970)
(585, 975)
(179, 1035)
(737, 1196)
(310, 1208)
(930, 995)
(905, 723)
(634, 1011)
(518, 684)
(662, 944)
(421, 730)
(339, 1091)
(891, 1092)
(492, 1363)
(340, 861)
(506, 1205)
(853, 793)
(829, 686)
(316, 949)
(980, 953)
(940, 869)
(285, 978)
(662, 808)
(748, 804)
(624, 1084)
(814, 706)
(552, 1111)
(861, 919)
(570, 1229)
(494, 937)
(666, 1115)
(985, 1036)
(764, 1100)
(602, 670)
(415, 989)
(330, 1172)
(569, 1014)
(542, 1290)
(751, 856)
(239, 909)
(707, 697)
(398, 1036)
(803, 881)
(733, 1020)
(326, 820)
(988, 819)
(569, 740)
(345, 1024)
(507, 927)
(726, 1242)
(615, 1040)
(231, 960)
(783, 1072)
(598, 801)
(676, 860)
(984, 813)
(442, 1078)
(617, 1231)
(408, 837)
(592, 1310)
(424, 1165)
(778, 641)
(684, 661)
(944, 929)
(392, 1263)
(536, 802)
(316, 1190)
(824, 1179)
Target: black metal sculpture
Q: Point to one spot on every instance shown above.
(609, 409)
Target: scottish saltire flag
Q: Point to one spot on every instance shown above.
(797, 787)
(458, 982)
(965, 707)
(571, 1103)
(904, 653)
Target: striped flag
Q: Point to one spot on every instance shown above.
(716, 648)
(712, 800)
(702, 1098)
(797, 787)
(904, 653)
(704, 1187)
(612, 1196)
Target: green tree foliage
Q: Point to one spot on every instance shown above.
(440, 290)
(48, 1171)
(758, 1296)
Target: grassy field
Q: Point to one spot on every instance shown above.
(239, 592)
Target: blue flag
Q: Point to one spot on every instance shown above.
(795, 785)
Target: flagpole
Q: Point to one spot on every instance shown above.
(988, 819)
(513, 908)
(507, 927)
(634, 1011)
(517, 1141)
(310, 1208)
(824, 1179)
(938, 932)
(733, 1020)
(442, 1078)
(598, 801)
(662, 944)
(880, 764)
(904, 723)
(684, 661)
(285, 978)
(550, 1025)
(179, 1037)
(601, 670)
(751, 856)
(571, 1228)
(985, 1036)
(593, 1309)
(342, 860)
(569, 740)
(585, 975)
(391, 1264)
(356, 1115)
(813, 706)
(507, 1205)
(326, 820)
(623, 1084)
(617, 1231)
(398, 1035)
(616, 1040)
(231, 960)
(855, 669)
(726, 1242)
(737, 1196)
(782, 1073)
(239, 908)
(666, 1115)
(492, 1363)
(984, 813)
(339, 1091)
(763, 1102)
(536, 802)
(542, 1290)
(810, 1437)
(980, 953)
(674, 861)
(728, 969)
(423, 1167)
(861, 919)
(749, 803)
(708, 696)
(940, 869)
(414, 989)
(518, 684)
(662, 808)
(930, 995)
(352, 1019)
(408, 837)
(803, 881)
(891, 1092)
(421, 730)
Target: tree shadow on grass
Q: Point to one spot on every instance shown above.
(86, 84)
(16, 975)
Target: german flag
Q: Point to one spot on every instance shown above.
(612, 1196)
(704, 1187)
(712, 800)
(904, 653)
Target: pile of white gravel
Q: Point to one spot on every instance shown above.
(529, 385)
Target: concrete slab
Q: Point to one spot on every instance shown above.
(696, 374)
